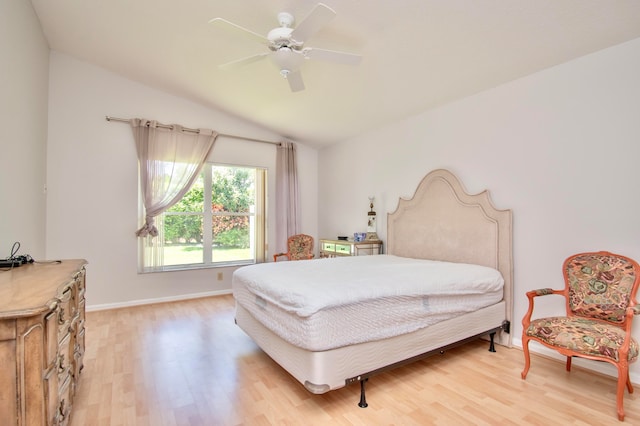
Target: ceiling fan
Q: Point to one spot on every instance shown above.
(286, 44)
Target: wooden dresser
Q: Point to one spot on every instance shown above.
(42, 314)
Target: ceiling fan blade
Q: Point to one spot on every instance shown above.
(247, 33)
(295, 81)
(318, 18)
(332, 56)
(243, 61)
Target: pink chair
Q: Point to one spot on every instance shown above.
(299, 247)
(600, 297)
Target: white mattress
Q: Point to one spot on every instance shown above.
(324, 304)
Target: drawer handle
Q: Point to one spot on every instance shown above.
(53, 310)
(52, 305)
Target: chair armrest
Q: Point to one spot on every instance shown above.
(543, 292)
(277, 255)
(626, 326)
(526, 320)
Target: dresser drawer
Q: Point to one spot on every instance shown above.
(52, 338)
(63, 412)
(78, 355)
(65, 312)
(328, 247)
(343, 248)
(64, 358)
(80, 279)
(52, 389)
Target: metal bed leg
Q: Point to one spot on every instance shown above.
(362, 378)
(363, 399)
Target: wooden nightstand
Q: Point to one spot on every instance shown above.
(333, 248)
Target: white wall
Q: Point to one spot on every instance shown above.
(92, 179)
(560, 148)
(24, 71)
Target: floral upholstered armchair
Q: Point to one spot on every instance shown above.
(299, 247)
(600, 294)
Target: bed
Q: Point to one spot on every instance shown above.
(334, 322)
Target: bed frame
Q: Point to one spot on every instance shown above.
(441, 222)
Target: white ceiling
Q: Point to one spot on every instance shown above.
(417, 54)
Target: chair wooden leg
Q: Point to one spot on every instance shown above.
(623, 380)
(629, 385)
(527, 358)
(569, 363)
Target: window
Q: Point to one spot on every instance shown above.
(229, 231)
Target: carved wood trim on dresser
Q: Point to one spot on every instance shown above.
(42, 314)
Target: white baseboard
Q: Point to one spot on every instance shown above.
(605, 368)
(130, 303)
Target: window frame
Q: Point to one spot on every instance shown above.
(258, 237)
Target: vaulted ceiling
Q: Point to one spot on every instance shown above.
(416, 54)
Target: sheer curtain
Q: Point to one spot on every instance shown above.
(170, 159)
(287, 202)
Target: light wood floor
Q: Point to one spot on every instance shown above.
(187, 363)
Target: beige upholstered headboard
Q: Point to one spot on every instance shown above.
(442, 222)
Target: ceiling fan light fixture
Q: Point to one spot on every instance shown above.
(287, 59)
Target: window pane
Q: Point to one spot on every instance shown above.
(182, 239)
(231, 239)
(233, 189)
(192, 201)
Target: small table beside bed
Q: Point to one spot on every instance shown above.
(446, 279)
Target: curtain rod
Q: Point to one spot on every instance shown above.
(124, 120)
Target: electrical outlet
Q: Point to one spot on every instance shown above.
(219, 276)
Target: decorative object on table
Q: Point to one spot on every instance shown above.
(359, 236)
(371, 222)
(343, 238)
